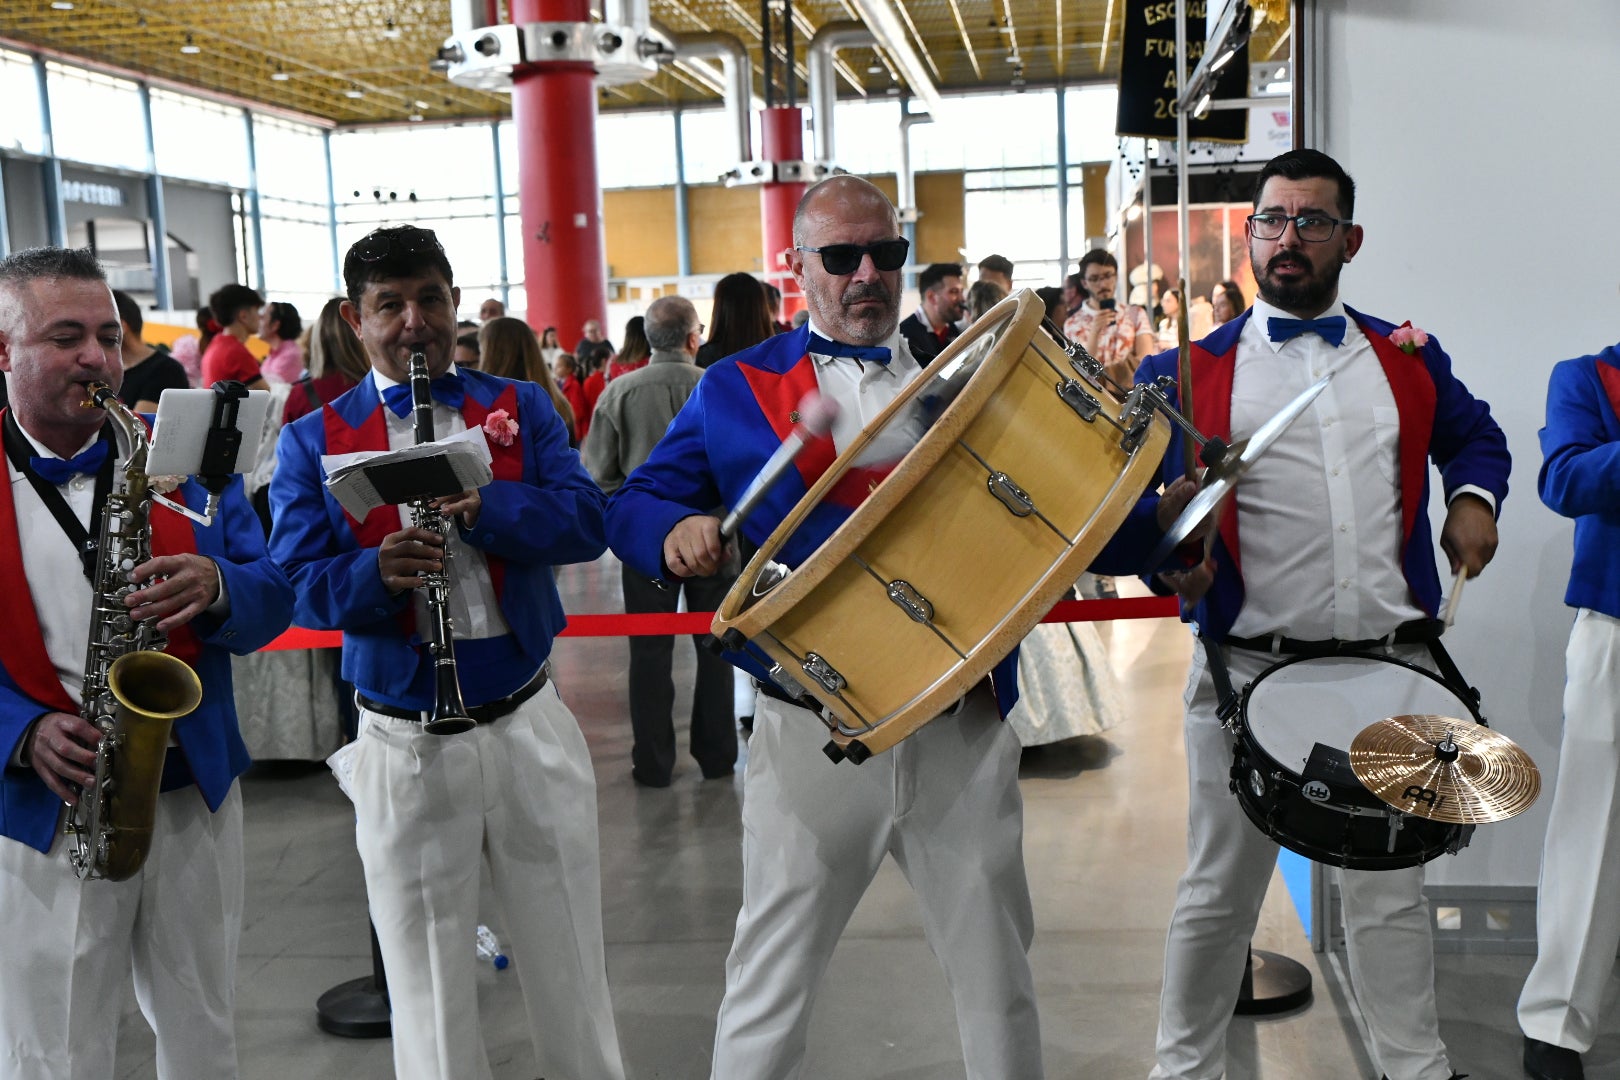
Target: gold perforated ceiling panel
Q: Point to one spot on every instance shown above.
(366, 61)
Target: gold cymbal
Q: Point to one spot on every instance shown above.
(1445, 769)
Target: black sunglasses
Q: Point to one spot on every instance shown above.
(404, 240)
(842, 259)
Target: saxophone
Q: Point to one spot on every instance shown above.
(133, 691)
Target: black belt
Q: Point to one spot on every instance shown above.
(1416, 632)
(487, 713)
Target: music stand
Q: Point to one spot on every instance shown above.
(359, 1008)
(1272, 983)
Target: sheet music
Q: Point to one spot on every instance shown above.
(365, 480)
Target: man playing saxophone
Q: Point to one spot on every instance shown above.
(516, 789)
(213, 592)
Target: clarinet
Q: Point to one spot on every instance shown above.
(449, 713)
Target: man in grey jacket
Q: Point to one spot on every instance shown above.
(631, 416)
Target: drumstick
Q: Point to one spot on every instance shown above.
(1189, 456)
(816, 416)
(1449, 616)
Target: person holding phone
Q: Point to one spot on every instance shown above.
(1119, 339)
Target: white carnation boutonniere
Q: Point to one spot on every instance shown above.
(1408, 338)
(500, 427)
(164, 485)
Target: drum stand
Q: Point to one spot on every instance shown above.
(358, 1009)
(1272, 983)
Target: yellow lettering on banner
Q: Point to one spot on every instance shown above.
(1170, 79)
(1164, 108)
(1158, 13)
(1165, 48)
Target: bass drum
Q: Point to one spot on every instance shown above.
(1291, 763)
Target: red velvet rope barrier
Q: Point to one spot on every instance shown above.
(697, 622)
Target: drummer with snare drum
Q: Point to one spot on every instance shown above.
(1335, 532)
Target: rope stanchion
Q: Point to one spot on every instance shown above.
(697, 622)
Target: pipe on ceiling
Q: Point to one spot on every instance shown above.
(738, 72)
(880, 18)
(818, 59)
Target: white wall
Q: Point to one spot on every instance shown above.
(1481, 137)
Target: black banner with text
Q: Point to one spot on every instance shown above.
(1147, 76)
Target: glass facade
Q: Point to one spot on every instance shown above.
(444, 176)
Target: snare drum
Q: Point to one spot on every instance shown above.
(1291, 764)
(979, 495)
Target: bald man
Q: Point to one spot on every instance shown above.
(945, 802)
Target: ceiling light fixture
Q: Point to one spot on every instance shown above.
(390, 31)
(62, 5)
(415, 118)
(279, 75)
(422, 105)
(354, 92)
(190, 48)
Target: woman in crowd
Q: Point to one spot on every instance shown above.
(188, 348)
(508, 348)
(565, 371)
(984, 295)
(279, 327)
(236, 310)
(634, 353)
(550, 346)
(740, 318)
(337, 361)
(1226, 302)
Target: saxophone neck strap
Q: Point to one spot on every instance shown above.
(19, 450)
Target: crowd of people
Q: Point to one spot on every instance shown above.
(640, 448)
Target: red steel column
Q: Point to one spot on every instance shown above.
(781, 139)
(559, 197)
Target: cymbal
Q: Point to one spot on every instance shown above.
(1445, 769)
(1223, 476)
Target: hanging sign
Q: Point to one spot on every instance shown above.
(1147, 76)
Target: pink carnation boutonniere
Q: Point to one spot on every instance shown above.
(1408, 338)
(500, 427)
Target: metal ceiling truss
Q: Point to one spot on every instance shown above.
(366, 61)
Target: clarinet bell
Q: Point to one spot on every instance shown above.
(449, 725)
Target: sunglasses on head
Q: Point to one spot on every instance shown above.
(379, 245)
(839, 259)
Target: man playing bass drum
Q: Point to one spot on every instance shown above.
(70, 944)
(517, 788)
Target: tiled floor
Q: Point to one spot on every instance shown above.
(1104, 827)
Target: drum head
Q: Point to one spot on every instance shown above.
(1299, 703)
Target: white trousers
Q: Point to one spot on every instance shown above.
(1229, 865)
(69, 945)
(945, 803)
(518, 794)
(1577, 913)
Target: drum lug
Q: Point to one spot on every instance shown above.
(912, 602)
(1136, 418)
(824, 673)
(790, 686)
(1013, 497)
(1074, 395)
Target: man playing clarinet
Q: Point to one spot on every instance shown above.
(516, 790)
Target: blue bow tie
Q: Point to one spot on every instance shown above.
(56, 472)
(448, 389)
(1330, 329)
(823, 347)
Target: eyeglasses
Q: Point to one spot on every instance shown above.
(1100, 279)
(1310, 227)
(840, 259)
(400, 240)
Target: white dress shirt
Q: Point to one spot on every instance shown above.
(474, 610)
(1319, 515)
(864, 388)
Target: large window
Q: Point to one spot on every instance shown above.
(293, 210)
(199, 140)
(634, 149)
(96, 118)
(21, 125)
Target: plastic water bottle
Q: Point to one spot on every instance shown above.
(489, 948)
